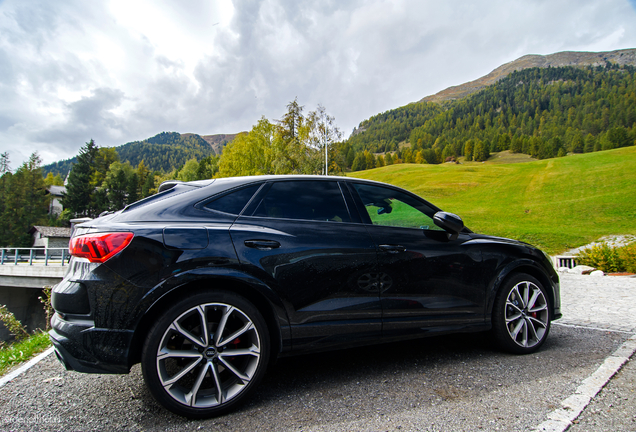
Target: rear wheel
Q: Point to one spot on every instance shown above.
(205, 354)
(521, 315)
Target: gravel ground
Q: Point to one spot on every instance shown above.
(456, 383)
(614, 408)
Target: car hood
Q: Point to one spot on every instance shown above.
(495, 239)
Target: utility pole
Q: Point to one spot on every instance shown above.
(326, 150)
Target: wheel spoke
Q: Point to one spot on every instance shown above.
(191, 396)
(246, 327)
(509, 303)
(516, 308)
(533, 299)
(221, 328)
(524, 333)
(253, 351)
(526, 293)
(513, 318)
(220, 398)
(204, 324)
(517, 295)
(535, 321)
(189, 335)
(533, 330)
(538, 308)
(246, 379)
(181, 373)
(518, 326)
(168, 353)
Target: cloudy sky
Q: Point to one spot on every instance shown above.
(124, 70)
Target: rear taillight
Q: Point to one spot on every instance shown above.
(99, 247)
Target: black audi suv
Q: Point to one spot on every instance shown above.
(208, 282)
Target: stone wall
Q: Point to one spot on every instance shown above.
(26, 307)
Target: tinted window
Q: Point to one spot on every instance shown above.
(308, 200)
(233, 202)
(389, 207)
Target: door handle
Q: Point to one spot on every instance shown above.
(392, 248)
(264, 245)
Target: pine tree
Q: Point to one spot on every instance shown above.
(26, 203)
(78, 190)
(468, 150)
(133, 187)
(149, 184)
(5, 182)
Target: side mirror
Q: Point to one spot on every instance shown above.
(449, 222)
(385, 206)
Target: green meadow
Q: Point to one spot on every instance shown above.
(555, 204)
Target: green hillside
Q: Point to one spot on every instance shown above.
(542, 112)
(556, 204)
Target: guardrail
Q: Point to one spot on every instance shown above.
(35, 256)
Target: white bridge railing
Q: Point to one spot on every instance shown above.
(34, 256)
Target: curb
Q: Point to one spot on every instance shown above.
(25, 367)
(561, 418)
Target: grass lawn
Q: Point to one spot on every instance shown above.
(555, 204)
(22, 351)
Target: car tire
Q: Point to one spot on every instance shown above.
(521, 315)
(205, 354)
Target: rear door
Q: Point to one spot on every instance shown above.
(303, 239)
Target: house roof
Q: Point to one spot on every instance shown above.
(57, 190)
(47, 231)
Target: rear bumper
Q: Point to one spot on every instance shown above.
(83, 348)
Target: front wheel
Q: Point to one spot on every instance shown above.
(521, 315)
(205, 354)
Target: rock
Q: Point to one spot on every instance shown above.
(563, 269)
(597, 273)
(580, 269)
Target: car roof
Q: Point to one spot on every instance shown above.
(236, 181)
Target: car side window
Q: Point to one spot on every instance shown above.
(234, 201)
(305, 200)
(388, 207)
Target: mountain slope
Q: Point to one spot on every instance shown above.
(560, 59)
(162, 152)
(218, 141)
(543, 112)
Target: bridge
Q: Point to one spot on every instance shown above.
(24, 272)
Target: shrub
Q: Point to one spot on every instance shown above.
(609, 259)
(628, 255)
(46, 303)
(14, 326)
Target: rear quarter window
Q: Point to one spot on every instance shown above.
(232, 202)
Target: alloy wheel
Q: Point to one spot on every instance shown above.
(526, 314)
(208, 355)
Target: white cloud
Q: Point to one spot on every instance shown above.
(128, 69)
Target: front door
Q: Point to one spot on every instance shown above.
(429, 283)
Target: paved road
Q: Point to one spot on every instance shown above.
(607, 302)
(610, 303)
(455, 383)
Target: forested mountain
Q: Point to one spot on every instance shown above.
(544, 112)
(165, 151)
(561, 59)
(162, 152)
